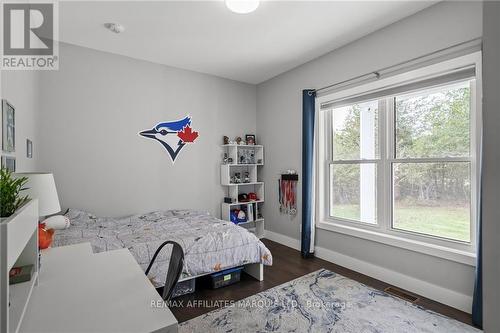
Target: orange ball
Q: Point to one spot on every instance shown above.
(44, 236)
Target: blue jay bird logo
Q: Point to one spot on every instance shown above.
(173, 135)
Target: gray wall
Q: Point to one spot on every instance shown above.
(89, 112)
(491, 165)
(279, 128)
(92, 110)
(20, 88)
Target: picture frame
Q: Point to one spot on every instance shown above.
(9, 163)
(29, 148)
(8, 127)
(250, 139)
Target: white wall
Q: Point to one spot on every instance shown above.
(20, 88)
(92, 110)
(491, 165)
(279, 121)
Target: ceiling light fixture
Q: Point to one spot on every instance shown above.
(242, 6)
(115, 27)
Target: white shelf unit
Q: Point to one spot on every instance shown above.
(255, 185)
(18, 247)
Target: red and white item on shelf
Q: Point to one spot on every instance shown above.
(252, 196)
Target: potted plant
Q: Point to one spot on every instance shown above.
(10, 197)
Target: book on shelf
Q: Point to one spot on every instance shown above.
(250, 213)
(20, 274)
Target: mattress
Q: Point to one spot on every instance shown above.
(209, 244)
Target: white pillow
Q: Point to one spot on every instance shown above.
(57, 222)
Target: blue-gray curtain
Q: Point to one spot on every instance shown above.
(477, 300)
(477, 297)
(308, 110)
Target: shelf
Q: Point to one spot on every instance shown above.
(248, 222)
(254, 183)
(244, 146)
(243, 203)
(21, 231)
(244, 164)
(244, 223)
(21, 226)
(238, 154)
(20, 294)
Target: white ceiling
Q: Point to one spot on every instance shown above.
(206, 37)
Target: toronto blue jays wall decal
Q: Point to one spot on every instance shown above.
(173, 135)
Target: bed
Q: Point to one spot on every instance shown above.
(209, 244)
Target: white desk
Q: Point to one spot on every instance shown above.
(80, 291)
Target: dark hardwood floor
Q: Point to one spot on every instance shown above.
(287, 265)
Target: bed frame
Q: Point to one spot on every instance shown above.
(254, 270)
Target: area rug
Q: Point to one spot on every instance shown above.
(323, 302)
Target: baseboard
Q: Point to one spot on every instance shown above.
(282, 239)
(443, 295)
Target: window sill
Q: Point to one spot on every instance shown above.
(463, 257)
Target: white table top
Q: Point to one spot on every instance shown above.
(83, 292)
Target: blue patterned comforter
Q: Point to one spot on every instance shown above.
(209, 244)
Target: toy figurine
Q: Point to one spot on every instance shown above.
(246, 179)
(226, 140)
(236, 179)
(238, 140)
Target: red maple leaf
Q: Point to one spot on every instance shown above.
(187, 134)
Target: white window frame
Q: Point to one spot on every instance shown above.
(382, 231)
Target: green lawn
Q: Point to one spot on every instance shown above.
(449, 222)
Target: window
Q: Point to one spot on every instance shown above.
(399, 158)
(431, 169)
(353, 171)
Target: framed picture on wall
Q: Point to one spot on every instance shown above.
(250, 139)
(29, 148)
(9, 163)
(8, 127)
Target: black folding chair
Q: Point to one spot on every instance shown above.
(174, 268)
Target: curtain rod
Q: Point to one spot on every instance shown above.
(376, 74)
